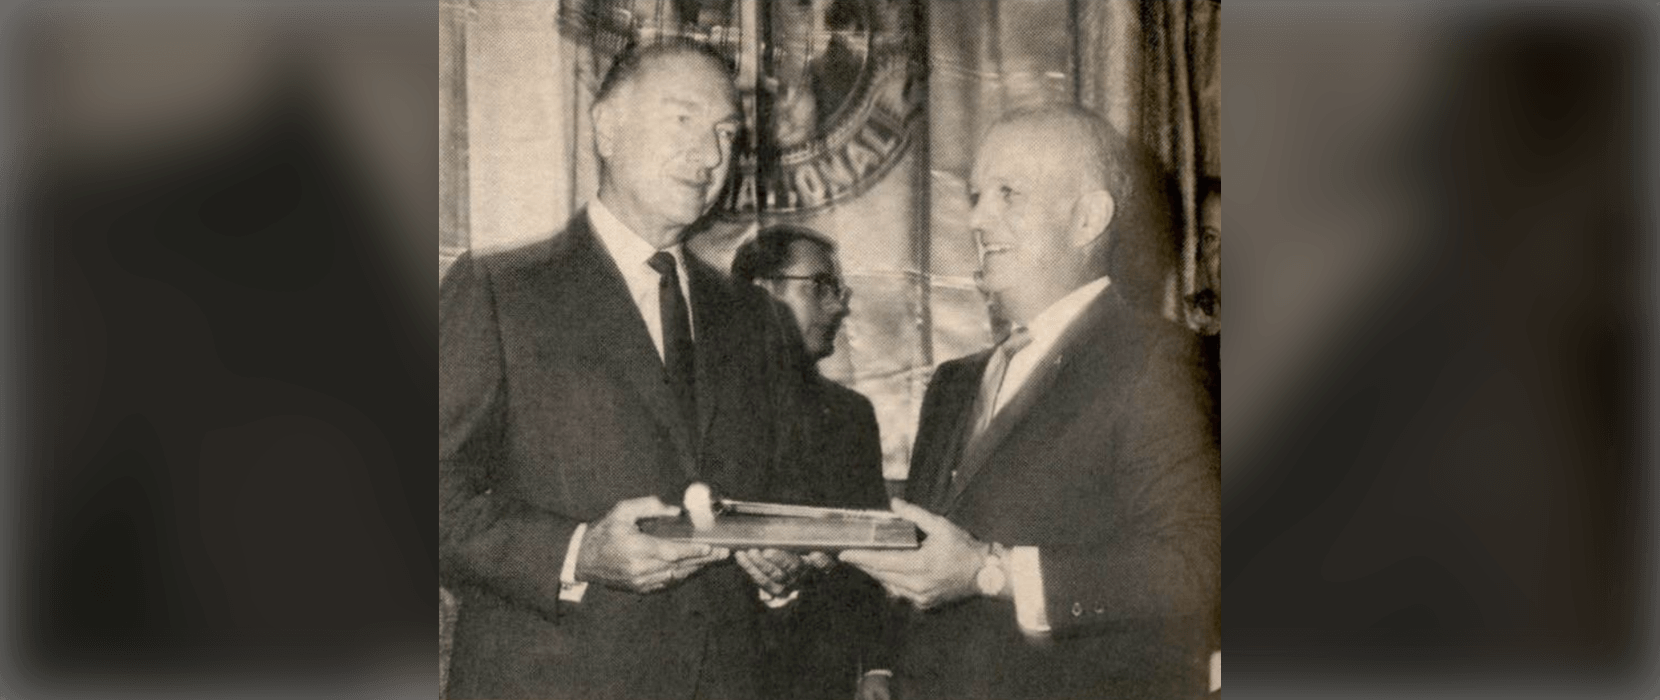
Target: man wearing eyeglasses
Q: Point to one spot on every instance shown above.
(827, 620)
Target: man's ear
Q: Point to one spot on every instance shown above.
(603, 115)
(1090, 216)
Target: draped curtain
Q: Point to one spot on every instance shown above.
(516, 81)
(1150, 68)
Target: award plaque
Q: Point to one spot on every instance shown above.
(741, 525)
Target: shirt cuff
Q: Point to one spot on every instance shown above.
(779, 601)
(1215, 671)
(570, 590)
(879, 672)
(1026, 579)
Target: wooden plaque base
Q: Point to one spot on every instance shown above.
(802, 534)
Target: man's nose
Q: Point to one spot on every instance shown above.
(709, 151)
(977, 219)
(839, 306)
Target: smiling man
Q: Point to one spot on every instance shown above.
(1066, 478)
(584, 381)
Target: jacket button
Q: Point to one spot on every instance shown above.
(1100, 611)
(1077, 609)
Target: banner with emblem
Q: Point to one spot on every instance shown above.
(862, 120)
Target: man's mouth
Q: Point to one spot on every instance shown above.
(701, 185)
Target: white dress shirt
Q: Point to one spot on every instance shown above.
(630, 252)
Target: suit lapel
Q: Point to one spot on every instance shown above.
(614, 334)
(709, 309)
(957, 408)
(979, 448)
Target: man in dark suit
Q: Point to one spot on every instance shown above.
(579, 390)
(827, 626)
(1066, 478)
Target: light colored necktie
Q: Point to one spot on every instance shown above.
(985, 405)
(991, 385)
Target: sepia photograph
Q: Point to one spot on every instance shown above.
(829, 349)
(843, 349)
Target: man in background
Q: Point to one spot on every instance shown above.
(586, 379)
(827, 623)
(1206, 303)
(1066, 479)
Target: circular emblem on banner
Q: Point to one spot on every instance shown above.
(830, 87)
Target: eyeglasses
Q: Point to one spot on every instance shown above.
(825, 286)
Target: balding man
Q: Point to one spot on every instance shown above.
(1066, 478)
(584, 381)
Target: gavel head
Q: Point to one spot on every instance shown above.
(699, 503)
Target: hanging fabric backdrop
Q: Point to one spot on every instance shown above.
(863, 118)
(864, 115)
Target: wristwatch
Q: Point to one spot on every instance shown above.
(992, 578)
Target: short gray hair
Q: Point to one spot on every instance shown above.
(1108, 157)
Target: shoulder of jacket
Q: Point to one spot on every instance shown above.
(849, 399)
(521, 255)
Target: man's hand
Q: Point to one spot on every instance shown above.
(773, 570)
(942, 570)
(875, 686)
(616, 554)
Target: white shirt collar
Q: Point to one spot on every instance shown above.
(631, 252)
(1047, 328)
(1045, 331)
(624, 245)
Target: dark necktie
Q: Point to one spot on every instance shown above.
(679, 355)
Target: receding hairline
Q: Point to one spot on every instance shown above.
(1085, 129)
(655, 58)
(789, 236)
(815, 242)
(773, 249)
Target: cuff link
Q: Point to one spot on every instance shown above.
(1077, 609)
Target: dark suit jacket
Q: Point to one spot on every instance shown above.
(817, 646)
(1105, 462)
(1210, 363)
(552, 407)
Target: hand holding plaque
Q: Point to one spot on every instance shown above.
(776, 571)
(616, 553)
(942, 570)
